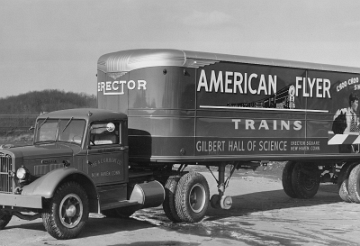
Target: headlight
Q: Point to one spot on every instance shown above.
(21, 173)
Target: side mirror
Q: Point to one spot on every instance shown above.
(32, 128)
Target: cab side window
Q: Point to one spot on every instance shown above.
(104, 133)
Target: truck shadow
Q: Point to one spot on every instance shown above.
(272, 200)
(243, 205)
(103, 226)
(95, 226)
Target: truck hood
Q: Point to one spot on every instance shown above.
(44, 151)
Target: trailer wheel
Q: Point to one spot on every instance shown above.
(305, 180)
(123, 212)
(343, 181)
(354, 185)
(67, 211)
(344, 192)
(287, 179)
(169, 202)
(5, 217)
(192, 197)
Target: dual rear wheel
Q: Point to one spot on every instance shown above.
(349, 182)
(187, 197)
(302, 180)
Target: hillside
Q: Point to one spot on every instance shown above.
(18, 113)
(35, 102)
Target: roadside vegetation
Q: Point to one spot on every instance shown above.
(18, 113)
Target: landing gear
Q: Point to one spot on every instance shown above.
(220, 201)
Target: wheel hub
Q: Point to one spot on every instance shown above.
(70, 211)
(197, 198)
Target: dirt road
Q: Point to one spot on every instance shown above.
(261, 215)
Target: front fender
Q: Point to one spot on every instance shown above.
(45, 186)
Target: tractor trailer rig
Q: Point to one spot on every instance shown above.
(160, 111)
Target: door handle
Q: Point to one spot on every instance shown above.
(124, 147)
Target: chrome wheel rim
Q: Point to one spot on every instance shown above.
(197, 198)
(71, 210)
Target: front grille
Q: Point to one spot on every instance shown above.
(6, 173)
(40, 170)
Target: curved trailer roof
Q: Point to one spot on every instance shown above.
(127, 60)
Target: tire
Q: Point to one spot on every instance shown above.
(344, 192)
(67, 212)
(169, 202)
(123, 212)
(353, 184)
(343, 181)
(5, 218)
(287, 179)
(192, 197)
(305, 180)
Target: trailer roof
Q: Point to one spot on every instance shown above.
(127, 60)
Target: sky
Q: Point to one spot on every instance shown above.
(55, 44)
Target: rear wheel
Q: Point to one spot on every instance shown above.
(67, 212)
(169, 202)
(192, 197)
(343, 181)
(354, 185)
(305, 180)
(287, 179)
(5, 217)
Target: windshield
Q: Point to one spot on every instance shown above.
(64, 130)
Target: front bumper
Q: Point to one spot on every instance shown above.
(23, 201)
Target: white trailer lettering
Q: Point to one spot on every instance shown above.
(117, 87)
(316, 87)
(235, 82)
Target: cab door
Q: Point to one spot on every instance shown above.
(107, 153)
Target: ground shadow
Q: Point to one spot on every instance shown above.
(243, 205)
(108, 226)
(274, 199)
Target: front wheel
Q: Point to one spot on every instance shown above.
(192, 197)
(67, 212)
(5, 217)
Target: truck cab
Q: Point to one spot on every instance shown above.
(78, 164)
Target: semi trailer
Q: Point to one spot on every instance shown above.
(162, 112)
